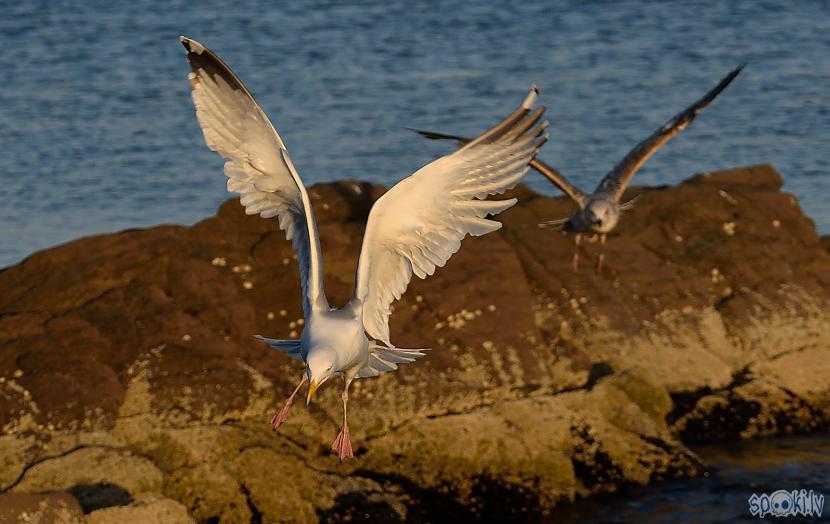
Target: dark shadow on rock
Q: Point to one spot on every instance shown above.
(256, 514)
(684, 402)
(497, 501)
(101, 495)
(422, 504)
(490, 500)
(593, 467)
(359, 506)
(597, 371)
(721, 422)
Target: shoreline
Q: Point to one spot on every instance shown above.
(734, 471)
(132, 351)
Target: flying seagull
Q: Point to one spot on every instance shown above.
(599, 211)
(414, 228)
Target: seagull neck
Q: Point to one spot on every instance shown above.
(355, 307)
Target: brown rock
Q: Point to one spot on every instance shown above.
(126, 360)
(153, 510)
(57, 507)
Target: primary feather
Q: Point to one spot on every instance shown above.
(419, 224)
(617, 180)
(258, 166)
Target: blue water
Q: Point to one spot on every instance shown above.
(97, 131)
(733, 474)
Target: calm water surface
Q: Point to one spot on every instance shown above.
(737, 471)
(97, 132)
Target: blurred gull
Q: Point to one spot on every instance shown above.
(599, 212)
(414, 228)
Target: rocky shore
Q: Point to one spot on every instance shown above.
(131, 388)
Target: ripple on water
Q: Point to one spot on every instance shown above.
(97, 132)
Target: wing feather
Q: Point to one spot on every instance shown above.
(292, 348)
(382, 359)
(419, 224)
(620, 176)
(554, 176)
(258, 166)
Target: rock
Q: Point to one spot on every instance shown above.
(92, 466)
(209, 492)
(129, 377)
(536, 451)
(787, 394)
(58, 507)
(155, 510)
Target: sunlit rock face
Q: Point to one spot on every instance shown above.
(130, 382)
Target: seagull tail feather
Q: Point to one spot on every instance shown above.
(557, 224)
(383, 359)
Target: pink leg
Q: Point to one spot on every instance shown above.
(601, 257)
(282, 414)
(575, 259)
(342, 445)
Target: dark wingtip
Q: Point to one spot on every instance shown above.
(192, 46)
(425, 134)
(735, 72)
(432, 135)
(715, 91)
(731, 76)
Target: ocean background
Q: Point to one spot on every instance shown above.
(98, 134)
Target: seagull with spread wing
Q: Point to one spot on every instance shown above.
(599, 211)
(414, 228)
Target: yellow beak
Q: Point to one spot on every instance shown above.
(312, 388)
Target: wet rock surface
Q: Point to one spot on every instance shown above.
(130, 384)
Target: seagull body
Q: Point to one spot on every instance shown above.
(413, 228)
(599, 212)
(334, 337)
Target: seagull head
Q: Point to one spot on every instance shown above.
(601, 215)
(320, 364)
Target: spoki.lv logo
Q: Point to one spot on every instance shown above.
(783, 503)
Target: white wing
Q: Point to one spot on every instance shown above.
(557, 178)
(419, 223)
(258, 166)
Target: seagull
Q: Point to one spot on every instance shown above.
(599, 212)
(413, 228)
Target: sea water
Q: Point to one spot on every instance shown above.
(98, 134)
(734, 473)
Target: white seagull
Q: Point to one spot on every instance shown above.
(599, 211)
(414, 228)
